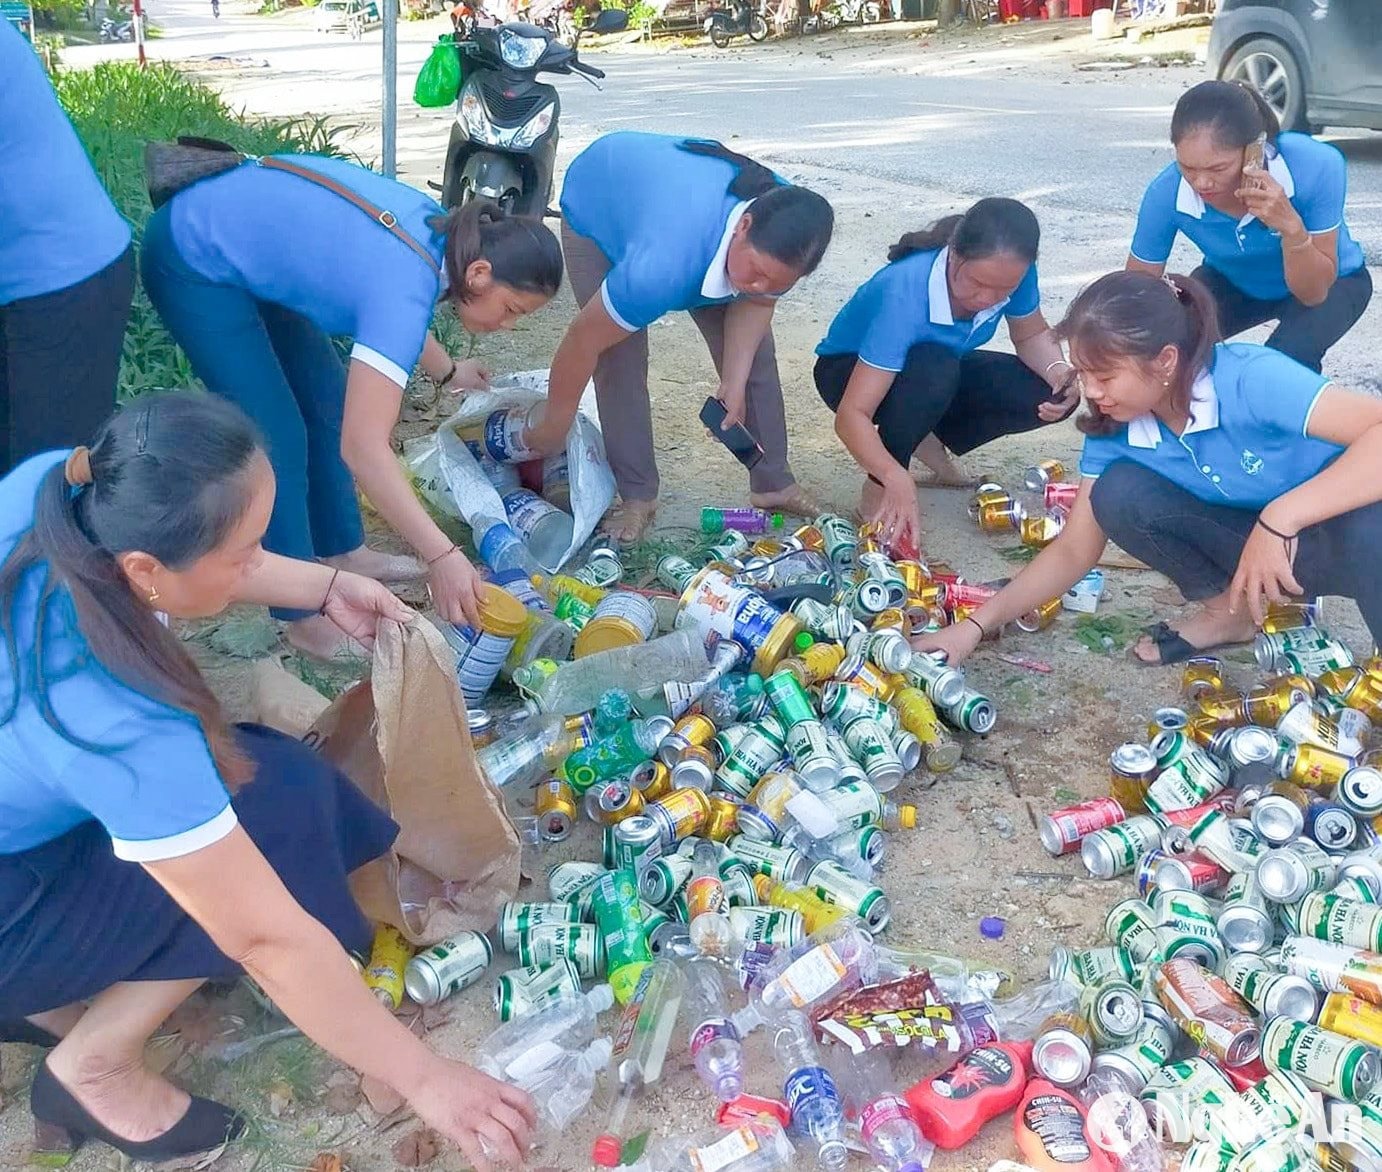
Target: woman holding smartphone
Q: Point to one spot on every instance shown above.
(1267, 211)
(1235, 471)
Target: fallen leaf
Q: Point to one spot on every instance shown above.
(281, 1097)
(434, 1016)
(420, 1146)
(197, 1162)
(342, 1093)
(382, 1097)
(326, 1162)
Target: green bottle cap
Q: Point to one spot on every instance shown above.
(778, 521)
(712, 521)
(803, 640)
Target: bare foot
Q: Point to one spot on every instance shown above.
(932, 455)
(382, 567)
(317, 636)
(793, 499)
(628, 521)
(1210, 625)
(127, 1099)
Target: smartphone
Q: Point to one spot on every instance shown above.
(738, 439)
(1255, 154)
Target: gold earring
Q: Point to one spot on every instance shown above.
(153, 595)
(1166, 382)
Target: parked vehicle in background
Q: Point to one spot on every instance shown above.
(348, 16)
(1317, 62)
(738, 19)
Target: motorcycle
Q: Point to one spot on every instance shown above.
(738, 20)
(504, 140)
(116, 30)
(859, 11)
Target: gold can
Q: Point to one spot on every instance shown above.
(913, 575)
(822, 660)
(1316, 767)
(388, 957)
(811, 538)
(928, 595)
(1201, 729)
(610, 802)
(1360, 689)
(1001, 516)
(1266, 704)
(1039, 617)
(692, 729)
(863, 674)
(723, 823)
(555, 807)
(1201, 675)
(987, 494)
(1287, 616)
(1040, 530)
(1226, 707)
(768, 547)
(894, 618)
(655, 781)
(1352, 1017)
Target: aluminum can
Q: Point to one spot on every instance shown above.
(1091, 966)
(1175, 1092)
(1186, 927)
(1208, 1011)
(1304, 725)
(1325, 1061)
(1195, 872)
(696, 767)
(1201, 675)
(1359, 888)
(809, 748)
(1289, 873)
(1244, 921)
(388, 958)
(763, 816)
(578, 943)
(1166, 720)
(681, 814)
(1189, 776)
(1042, 474)
(634, 843)
(1064, 1049)
(840, 540)
(1134, 1063)
(607, 803)
(675, 572)
(773, 926)
(1130, 925)
(1270, 1108)
(837, 886)
(1132, 768)
(869, 744)
(1115, 850)
(844, 704)
(942, 684)
(908, 749)
(1063, 831)
(1360, 791)
(1334, 968)
(1352, 1017)
(857, 670)
(662, 879)
(1278, 816)
(723, 823)
(691, 729)
(788, 698)
(973, 712)
(777, 862)
(1272, 994)
(566, 881)
(1308, 650)
(1331, 826)
(754, 755)
(516, 919)
(554, 805)
(1114, 1012)
(523, 990)
(1341, 921)
(887, 650)
(447, 967)
(835, 623)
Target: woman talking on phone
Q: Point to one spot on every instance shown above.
(1240, 474)
(654, 224)
(1267, 211)
(902, 366)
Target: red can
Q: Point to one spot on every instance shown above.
(1188, 818)
(1249, 1074)
(1189, 872)
(1059, 495)
(968, 594)
(1062, 831)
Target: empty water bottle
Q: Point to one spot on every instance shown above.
(885, 1123)
(536, 1040)
(707, 908)
(563, 1088)
(534, 748)
(576, 686)
(499, 547)
(837, 960)
(715, 1046)
(760, 1145)
(810, 1092)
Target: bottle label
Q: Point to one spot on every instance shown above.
(810, 1084)
(737, 1145)
(498, 540)
(980, 1069)
(812, 976)
(884, 1110)
(1059, 1126)
(711, 1031)
(705, 895)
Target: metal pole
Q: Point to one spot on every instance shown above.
(389, 154)
(139, 33)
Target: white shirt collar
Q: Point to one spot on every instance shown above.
(1189, 202)
(1145, 431)
(938, 296)
(717, 286)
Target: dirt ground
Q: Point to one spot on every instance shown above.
(976, 852)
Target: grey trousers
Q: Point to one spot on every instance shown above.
(621, 389)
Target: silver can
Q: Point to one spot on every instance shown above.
(436, 973)
(523, 990)
(1360, 791)
(1289, 873)
(1245, 921)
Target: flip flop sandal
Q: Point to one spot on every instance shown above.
(1172, 645)
(628, 524)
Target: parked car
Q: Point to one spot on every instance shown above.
(1317, 62)
(347, 16)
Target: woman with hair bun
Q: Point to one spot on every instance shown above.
(255, 270)
(1266, 209)
(1240, 474)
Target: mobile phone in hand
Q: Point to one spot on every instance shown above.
(1255, 154)
(738, 439)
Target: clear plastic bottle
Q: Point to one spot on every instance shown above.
(760, 1145)
(829, 850)
(715, 1046)
(535, 1040)
(534, 748)
(563, 1089)
(837, 960)
(810, 1092)
(676, 697)
(1118, 1124)
(707, 908)
(734, 697)
(576, 687)
(499, 547)
(546, 529)
(885, 1123)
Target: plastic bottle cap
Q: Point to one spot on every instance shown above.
(778, 521)
(993, 927)
(753, 683)
(907, 817)
(601, 997)
(607, 1151)
(803, 640)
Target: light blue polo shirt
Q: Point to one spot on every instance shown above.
(294, 243)
(1315, 179)
(153, 786)
(57, 224)
(1246, 442)
(662, 216)
(907, 302)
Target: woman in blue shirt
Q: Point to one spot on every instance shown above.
(1241, 475)
(253, 271)
(902, 366)
(146, 845)
(655, 224)
(66, 273)
(1267, 211)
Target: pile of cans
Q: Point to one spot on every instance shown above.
(1036, 516)
(1253, 950)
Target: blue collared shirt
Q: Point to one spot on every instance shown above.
(907, 302)
(1247, 440)
(1247, 252)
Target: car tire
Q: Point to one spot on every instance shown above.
(1271, 68)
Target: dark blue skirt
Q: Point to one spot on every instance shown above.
(75, 920)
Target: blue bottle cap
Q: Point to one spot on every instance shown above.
(993, 927)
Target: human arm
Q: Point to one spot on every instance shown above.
(1040, 351)
(1049, 575)
(591, 333)
(1155, 232)
(1134, 265)
(747, 321)
(1354, 422)
(449, 373)
(898, 512)
(371, 410)
(1309, 258)
(353, 602)
(256, 922)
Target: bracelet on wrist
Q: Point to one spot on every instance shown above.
(1287, 537)
(449, 375)
(983, 634)
(446, 553)
(330, 586)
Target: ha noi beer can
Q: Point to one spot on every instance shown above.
(579, 943)
(456, 963)
(1325, 1061)
(523, 990)
(516, 919)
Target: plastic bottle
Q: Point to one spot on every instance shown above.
(838, 960)
(499, 547)
(1117, 1123)
(675, 697)
(830, 850)
(1050, 1130)
(563, 1089)
(536, 1039)
(546, 529)
(714, 1042)
(885, 1123)
(760, 1145)
(951, 1107)
(733, 698)
(810, 1092)
(523, 756)
(707, 908)
(818, 914)
(616, 755)
(746, 520)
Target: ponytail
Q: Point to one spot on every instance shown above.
(791, 224)
(168, 477)
(991, 227)
(1136, 316)
(522, 251)
(1234, 112)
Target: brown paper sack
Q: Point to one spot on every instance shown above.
(402, 737)
(282, 701)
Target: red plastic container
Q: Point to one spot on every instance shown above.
(950, 1108)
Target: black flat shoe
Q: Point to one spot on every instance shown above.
(27, 1033)
(61, 1124)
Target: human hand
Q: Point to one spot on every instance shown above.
(1267, 200)
(957, 641)
(898, 515)
(1064, 399)
(455, 586)
(356, 604)
(471, 375)
(1265, 567)
(489, 1120)
(734, 401)
(548, 437)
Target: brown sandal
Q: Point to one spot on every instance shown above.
(795, 501)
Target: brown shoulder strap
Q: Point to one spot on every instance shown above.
(379, 215)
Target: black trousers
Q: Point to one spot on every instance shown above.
(1305, 332)
(60, 361)
(1197, 545)
(967, 400)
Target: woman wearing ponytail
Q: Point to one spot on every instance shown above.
(1243, 476)
(146, 844)
(655, 224)
(255, 270)
(1267, 211)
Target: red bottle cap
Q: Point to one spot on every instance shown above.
(606, 1151)
(746, 1108)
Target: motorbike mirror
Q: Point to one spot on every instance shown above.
(610, 20)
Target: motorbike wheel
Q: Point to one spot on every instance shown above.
(758, 28)
(465, 192)
(719, 36)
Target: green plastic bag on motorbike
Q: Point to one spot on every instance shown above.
(439, 81)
